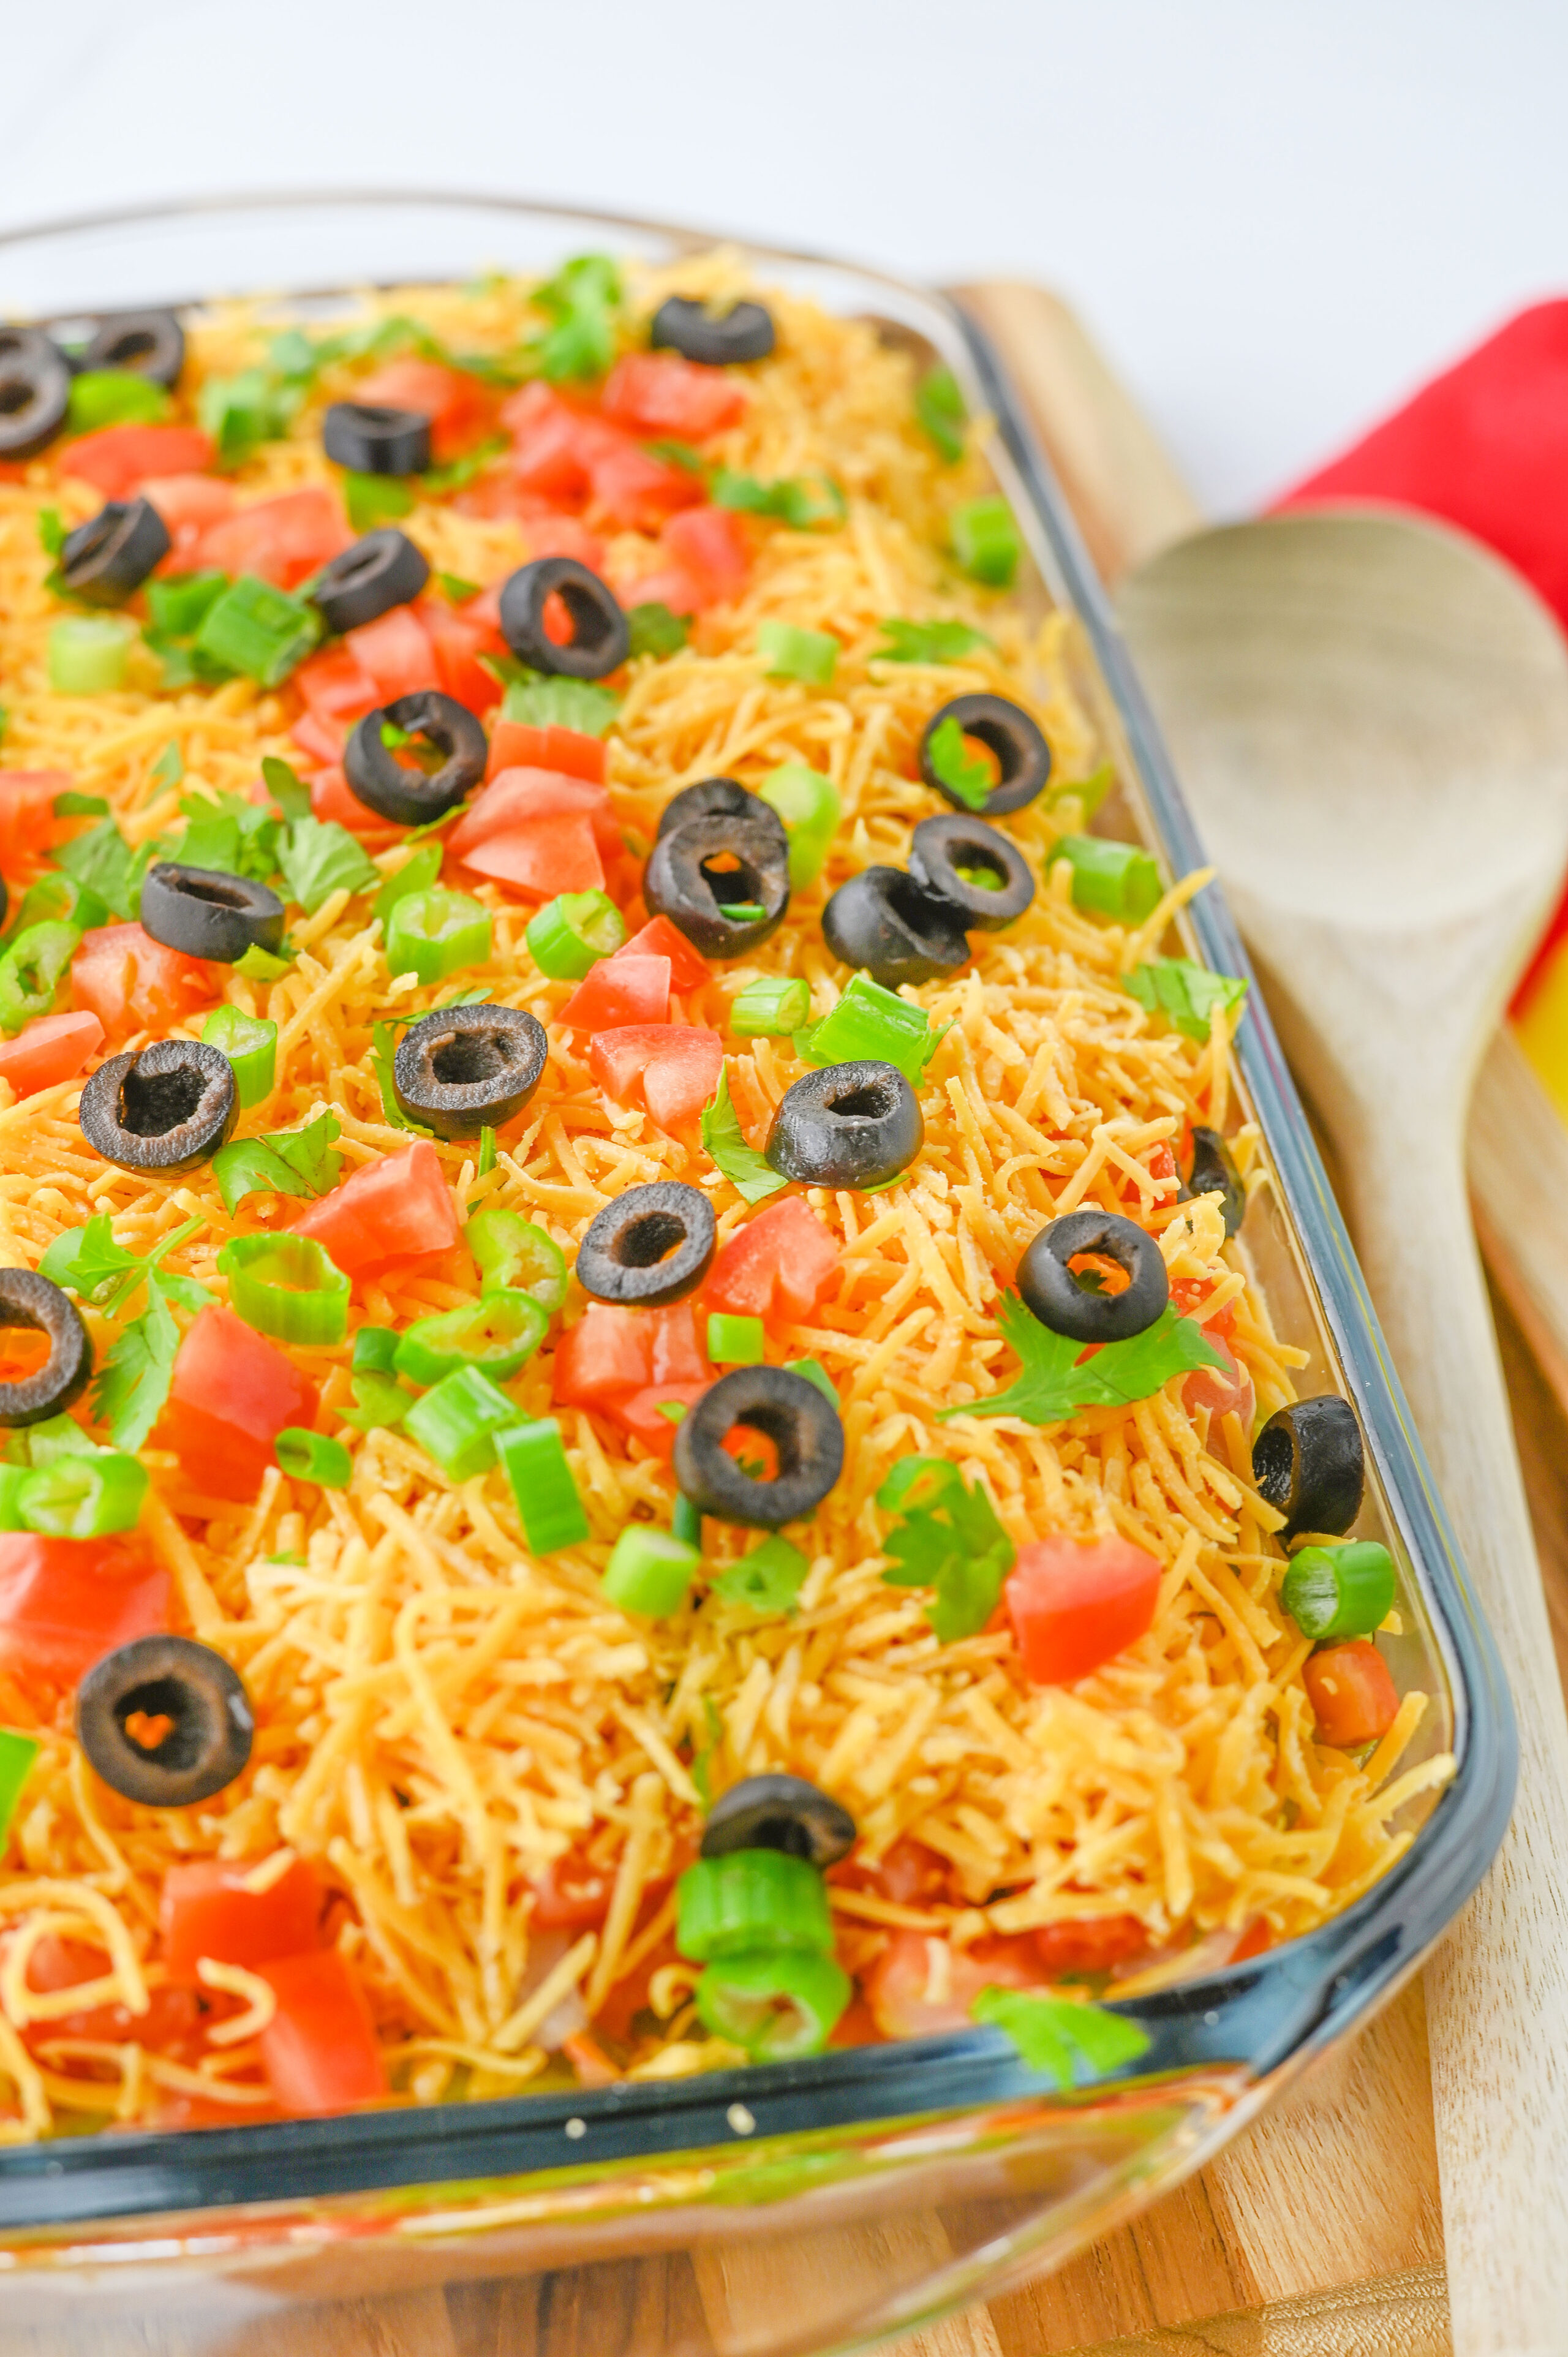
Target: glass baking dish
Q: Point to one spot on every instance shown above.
(814, 2205)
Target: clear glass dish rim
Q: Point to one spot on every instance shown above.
(1274, 2010)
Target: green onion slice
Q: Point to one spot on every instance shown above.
(287, 1286)
(457, 1422)
(83, 1497)
(751, 1898)
(259, 630)
(809, 806)
(873, 1022)
(498, 1333)
(572, 933)
(788, 652)
(87, 654)
(777, 2002)
(251, 1044)
(735, 1342)
(985, 539)
(1114, 879)
(17, 1753)
(32, 970)
(434, 933)
(649, 1571)
(534, 1458)
(772, 1007)
(514, 1254)
(1339, 1591)
(313, 1456)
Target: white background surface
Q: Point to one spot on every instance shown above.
(1277, 215)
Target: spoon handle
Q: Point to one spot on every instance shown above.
(1498, 1988)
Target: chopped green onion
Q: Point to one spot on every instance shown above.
(287, 1286)
(772, 1007)
(180, 603)
(434, 933)
(579, 703)
(259, 630)
(813, 1373)
(251, 1044)
(87, 654)
(649, 1571)
(572, 933)
(751, 1898)
(512, 1253)
(498, 1333)
(313, 1456)
(939, 405)
(810, 807)
(985, 539)
(83, 1497)
(1116, 879)
(371, 499)
(968, 775)
(871, 1022)
(656, 631)
(788, 652)
(686, 1521)
(768, 1579)
(535, 1462)
(929, 643)
(17, 1753)
(743, 912)
(32, 971)
(375, 1351)
(457, 1422)
(51, 531)
(114, 397)
(57, 1436)
(11, 1479)
(486, 1161)
(735, 1342)
(259, 965)
(777, 2002)
(377, 1400)
(417, 874)
(1340, 1591)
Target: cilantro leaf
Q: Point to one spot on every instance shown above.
(1185, 993)
(541, 703)
(384, 1048)
(88, 1260)
(265, 966)
(939, 406)
(655, 630)
(320, 857)
(415, 875)
(1056, 1382)
(458, 472)
(792, 499)
(962, 773)
(169, 767)
(1072, 2045)
(725, 1144)
(929, 643)
(80, 806)
(286, 787)
(371, 499)
(51, 531)
(949, 1539)
(582, 300)
(455, 589)
(768, 1579)
(133, 1382)
(239, 838)
(102, 859)
(285, 1162)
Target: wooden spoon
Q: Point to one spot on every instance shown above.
(1370, 716)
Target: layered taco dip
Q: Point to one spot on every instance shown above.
(638, 1433)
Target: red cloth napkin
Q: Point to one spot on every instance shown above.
(1484, 447)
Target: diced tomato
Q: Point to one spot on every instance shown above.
(711, 547)
(458, 642)
(1351, 1693)
(233, 1392)
(1092, 1946)
(776, 1267)
(134, 983)
(670, 586)
(64, 1603)
(604, 1359)
(28, 821)
(679, 1065)
(909, 1873)
(1190, 1293)
(548, 459)
(319, 2048)
(1076, 1603)
(333, 799)
(394, 652)
(334, 683)
(205, 1909)
(516, 798)
(682, 399)
(397, 1209)
(120, 456)
(1254, 1941)
(571, 1895)
(689, 969)
(172, 2016)
(283, 540)
(51, 1049)
(188, 505)
(920, 1984)
(619, 992)
(637, 491)
(1223, 1391)
(456, 404)
(566, 752)
(642, 1417)
(562, 535)
(545, 856)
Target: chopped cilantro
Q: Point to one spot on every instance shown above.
(962, 773)
(1185, 993)
(541, 702)
(134, 1381)
(725, 1144)
(1070, 2044)
(655, 630)
(1056, 1382)
(320, 857)
(373, 499)
(949, 1538)
(285, 1162)
(768, 1579)
(929, 643)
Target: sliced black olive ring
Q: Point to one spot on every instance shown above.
(601, 637)
(35, 392)
(148, 343)
(742, 333)
(784, 1409)
(699, 870)
(464, 1068)
(28, 1299)
(1023, 756)
(847, 1126)
(1308, 1465)
(650, 1247)
(778, 1812)
(107, 558)
(383, 570)
(888, 923)
(208, 912)
(1061, 1301)
(975, 866)
(1212, 1172)
(167, 1107)
(188, 1693)
(372, 440)
(407, 796)
(719, 797)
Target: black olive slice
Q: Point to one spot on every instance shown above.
(601, 638)
(974, 867)
(778, 1812)
(148, 343)
(699, 870)
(35, 392)
(719, 797)
(372, 440)
(407, 796)
(1023, 756)
(890, 926)
(103, 561)
(784, 1409)
(196, 1726)
(1061, 1301)
(1212, 1172)
(744, 332)
(208, 913)
(464, 1068)
(1308, 1465)
(650, 1247)
(28, 1299)
(847, 1126)
(383, 570)
(167, 1107)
